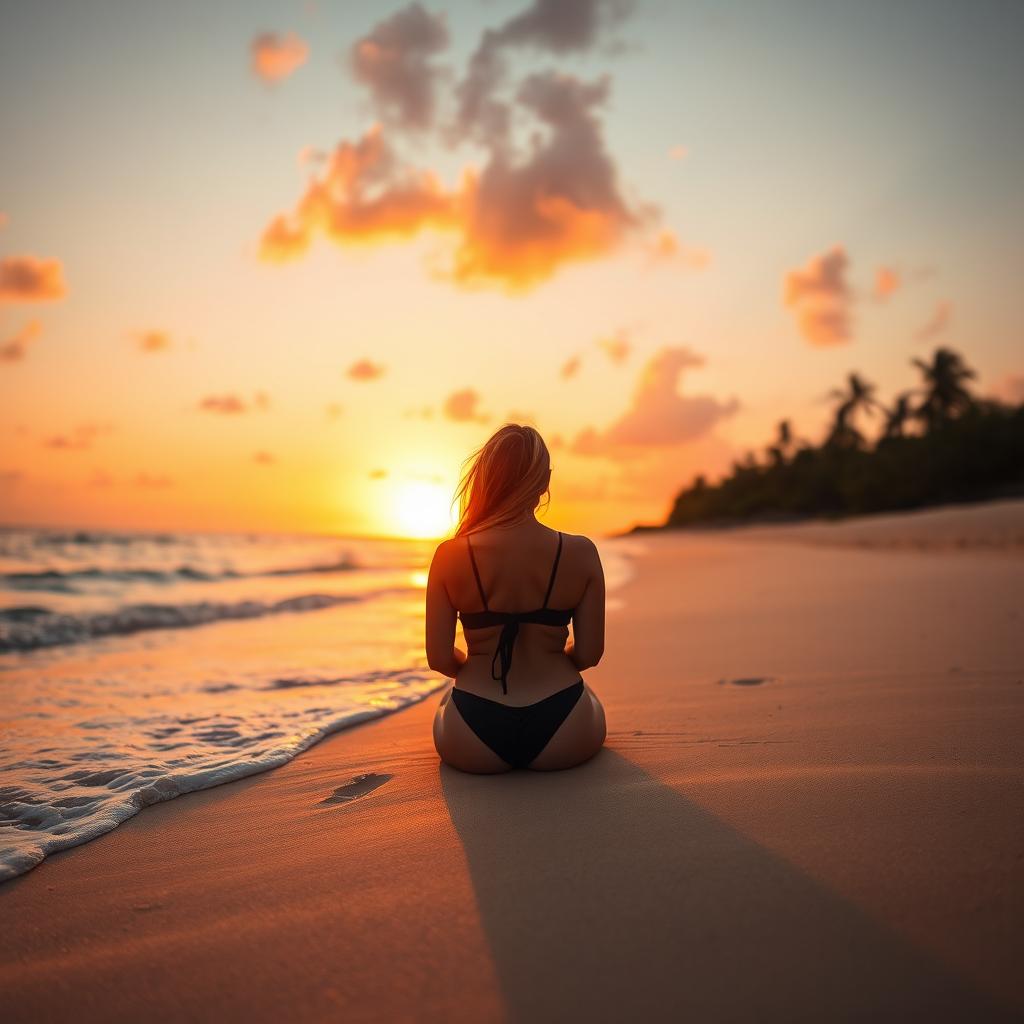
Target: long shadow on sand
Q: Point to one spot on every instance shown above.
(669, 914)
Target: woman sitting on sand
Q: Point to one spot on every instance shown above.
(516, 585)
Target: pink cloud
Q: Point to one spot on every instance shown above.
(364, 369)
(276, 57)
(820, 298)
(153, 341)
(658, 415)
(937, 323)
(887, 281)
(463, 407)
(570, 367)
(226, 404)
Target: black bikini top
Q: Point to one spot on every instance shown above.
(510, 621)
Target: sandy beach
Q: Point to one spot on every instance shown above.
(809, 808)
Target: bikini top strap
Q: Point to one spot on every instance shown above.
(476, 573)
(554, 569)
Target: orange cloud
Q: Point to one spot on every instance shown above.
(4, 219)
(887, 281)
(365, 370)
(393, 61)
(571, 367)
(231, 404)
(100, 478)
(378, 474)
(15, 349)
(665, 247)
(152, 480)
(658, 416)
(79, 439)
(677, 152)
(515, 223)
(28, 279)
(334, 410)
(226, 404)
(263, 458)
(936, 323)
(561, 204)
(275, 57)
(462, 406)
(362, 196)
(153, 341)
(617, 347)
(820, 298)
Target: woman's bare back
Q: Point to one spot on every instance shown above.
(516, 566)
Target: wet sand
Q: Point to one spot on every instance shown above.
(809, 807)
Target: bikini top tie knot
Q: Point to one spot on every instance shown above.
(510, 621)
(503, 652)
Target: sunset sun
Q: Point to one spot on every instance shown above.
(422, 509)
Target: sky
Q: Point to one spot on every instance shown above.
(284, 266)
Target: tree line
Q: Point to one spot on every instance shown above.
(935, 444)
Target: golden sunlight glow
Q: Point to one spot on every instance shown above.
(421, 509)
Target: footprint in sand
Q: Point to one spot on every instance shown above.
(359, 786)
(746, 681)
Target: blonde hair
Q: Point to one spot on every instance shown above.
(503, 479)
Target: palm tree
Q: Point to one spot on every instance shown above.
(896, 418)
(945, 387)
(783, 443)
(785, 435)
(859, 396)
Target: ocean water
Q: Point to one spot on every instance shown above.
(135, 667)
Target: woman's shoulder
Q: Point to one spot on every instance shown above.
(445, 551)
(581, 545)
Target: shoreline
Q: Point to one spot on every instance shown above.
(147, 712)
(839, 833)
(977, 524)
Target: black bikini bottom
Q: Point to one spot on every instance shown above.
(517, 735)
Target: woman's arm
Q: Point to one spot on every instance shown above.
(587, 645)
(442, 654)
